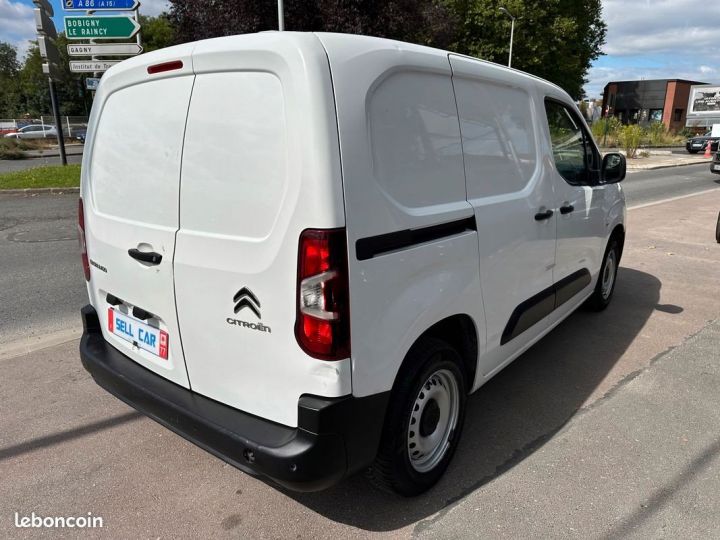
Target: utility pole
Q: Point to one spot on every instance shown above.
(48, 50)
(281, 16)
(512, 31)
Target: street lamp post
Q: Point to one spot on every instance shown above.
(281, 16)
(512, 31)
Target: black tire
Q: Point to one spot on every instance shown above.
(717, 230)
(601, 296)
(393, 469)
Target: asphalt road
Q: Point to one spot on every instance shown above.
(49, 157)
(41, 285)
(607, 428)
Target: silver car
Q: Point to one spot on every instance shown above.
(34, 131)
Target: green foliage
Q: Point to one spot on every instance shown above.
(629, 138)
(605, 130)
(156, 32)
(657, 133)
(554, 39)
(42, 177)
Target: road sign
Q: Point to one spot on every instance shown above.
(101, 27)
(89, 66)
(100, 5)
(91, 83)
(104, 49)
(43, 23)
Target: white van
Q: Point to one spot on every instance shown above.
(303, 251)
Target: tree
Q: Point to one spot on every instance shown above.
(156, 32)
(9, 68)
(420, 21)
(555, 39)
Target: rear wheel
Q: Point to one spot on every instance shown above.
(601, 296)
(424, 420)
(717, 230)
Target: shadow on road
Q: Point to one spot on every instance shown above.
(515, 413)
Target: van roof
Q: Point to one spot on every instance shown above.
(273, 39)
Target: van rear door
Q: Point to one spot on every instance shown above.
(260, 165)
(130, 196)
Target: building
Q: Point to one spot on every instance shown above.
(642, 102)
(703, 108)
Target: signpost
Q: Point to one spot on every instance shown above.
(91, 66)
(115, 27)
(100, 5)
(92, 83)
(49, 52)
(104, 49)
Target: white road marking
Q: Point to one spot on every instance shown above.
(662, 201)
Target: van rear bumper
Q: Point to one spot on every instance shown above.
(335, 437)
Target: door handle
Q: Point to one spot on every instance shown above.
(566, 209)
(540, 216)
(147, 257)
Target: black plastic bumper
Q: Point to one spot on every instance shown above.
(335, 437)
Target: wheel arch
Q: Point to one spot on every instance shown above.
(460, 332)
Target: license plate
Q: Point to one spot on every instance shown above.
(716, 167)
(696, 145)
(138, 333)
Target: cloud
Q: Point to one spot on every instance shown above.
(657, 39)
(155, 7)
(17, 25)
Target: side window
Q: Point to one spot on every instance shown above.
(568, 144)
(498, 137)
(415, 139)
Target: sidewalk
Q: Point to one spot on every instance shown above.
(662, 161)
(641, 456)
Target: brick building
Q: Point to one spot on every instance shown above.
(642, 102)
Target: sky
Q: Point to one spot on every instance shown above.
(647, 39)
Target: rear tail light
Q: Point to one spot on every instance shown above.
(322, 327)
(81, 238)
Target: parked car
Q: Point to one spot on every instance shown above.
(698, 144)
(715, 164)
(370, 231)
(33, 131)
(80, 134)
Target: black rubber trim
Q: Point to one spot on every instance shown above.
(367, 248)
(335, 437)
(537, 307)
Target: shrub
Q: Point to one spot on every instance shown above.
(629, 138)
(657, 134)
(11, 149)
(605, 130)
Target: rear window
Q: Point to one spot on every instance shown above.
(235, 157)
(135, 165)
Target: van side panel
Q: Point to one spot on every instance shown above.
(260, 165)
(402, 170)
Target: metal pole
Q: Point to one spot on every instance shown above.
(512, 33)
(58, 124)
(281, 16)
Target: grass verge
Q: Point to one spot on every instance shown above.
(55, 176)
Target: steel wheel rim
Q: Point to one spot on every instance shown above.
(608, 275)
(438, 396)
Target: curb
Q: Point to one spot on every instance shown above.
(37, 191)
(655, 167)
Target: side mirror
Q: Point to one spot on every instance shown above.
(614, 168)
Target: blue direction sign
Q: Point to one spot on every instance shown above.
(100, 5)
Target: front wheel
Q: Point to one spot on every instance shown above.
(601, 296)
(424, 420)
